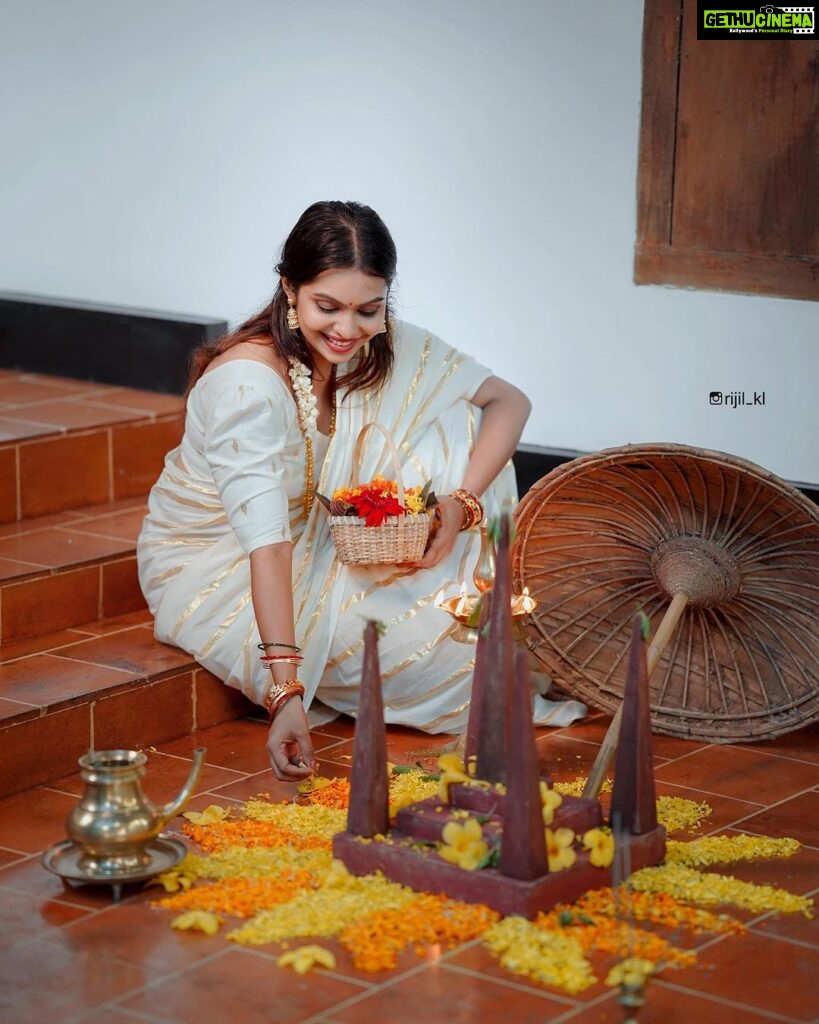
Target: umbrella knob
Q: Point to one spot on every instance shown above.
(701, 569)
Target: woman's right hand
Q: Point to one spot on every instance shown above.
(288, 743)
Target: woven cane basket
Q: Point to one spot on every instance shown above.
(397, 539)
(635, 527)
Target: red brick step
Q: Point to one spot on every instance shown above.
(107, 683)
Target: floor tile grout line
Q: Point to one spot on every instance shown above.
(23, 703)
(784, 800)
(726, 796)
(733, 1004)
(801, 943)
(345, 1004)
(17, 479)
(510, 983)
(365, 986)
(145, 674)
(582, 1009)
(162, 979)
(770, 753)
(89, 912)
(27, 566)
(22, 853)
(135, 1015)
(712, 794)
(320, 1018)
(72, 531)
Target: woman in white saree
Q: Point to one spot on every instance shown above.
(234, 554)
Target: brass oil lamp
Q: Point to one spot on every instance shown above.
(465, 608)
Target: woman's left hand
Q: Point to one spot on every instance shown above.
(449, 517)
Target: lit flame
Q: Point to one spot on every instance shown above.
(462, 607)
(439, 599)
(523, 604)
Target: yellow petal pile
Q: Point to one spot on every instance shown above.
(272, 865)
(677, 814)
(547, 957)
(324, 912)
(711, 889)
(712, 850)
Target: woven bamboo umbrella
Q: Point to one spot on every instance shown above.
(720, 554)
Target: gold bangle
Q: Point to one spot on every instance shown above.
(473, 509)
(280, 693)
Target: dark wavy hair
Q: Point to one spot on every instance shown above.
(329, 235)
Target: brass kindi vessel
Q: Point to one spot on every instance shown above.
(114, 831)
(114, 820)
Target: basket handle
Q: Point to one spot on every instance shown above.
(359, 451)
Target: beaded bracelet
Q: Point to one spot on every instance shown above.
(473, 509)
(279, 643)
(280, 693)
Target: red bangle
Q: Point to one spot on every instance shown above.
(280, 693)
(473, 509)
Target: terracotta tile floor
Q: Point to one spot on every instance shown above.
(71, 955)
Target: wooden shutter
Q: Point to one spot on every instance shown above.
(728, 175)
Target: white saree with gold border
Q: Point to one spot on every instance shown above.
(236, 482)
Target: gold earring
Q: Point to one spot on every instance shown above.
(292, 316)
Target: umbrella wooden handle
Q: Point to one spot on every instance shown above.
(605, 754)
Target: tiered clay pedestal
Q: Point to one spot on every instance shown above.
(501, 738)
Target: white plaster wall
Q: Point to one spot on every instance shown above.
(155, 155)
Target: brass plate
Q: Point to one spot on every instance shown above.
(63, 859)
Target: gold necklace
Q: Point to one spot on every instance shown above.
(302, 380)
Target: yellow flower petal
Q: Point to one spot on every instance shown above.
(451, 763)
(600, 844)
(633, 971)
(451, 833)
(473, 855)
(315, 783)
(450, 779)
(559, 849)
(550, 797)
(305, 958)
(197, 920)
(209, 816)
(462, 835)
(172, 881)
(564, 836)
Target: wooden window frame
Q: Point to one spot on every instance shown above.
(657, 259)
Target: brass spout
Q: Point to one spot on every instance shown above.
(176, 805)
